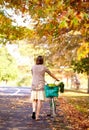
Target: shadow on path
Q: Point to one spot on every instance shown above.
(15, 114)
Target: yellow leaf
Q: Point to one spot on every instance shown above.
(47, 1)
(83, 50)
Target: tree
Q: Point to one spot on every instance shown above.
(64, 24)
(82, 66)
(9, 32)
(52, 17)
(8, 68)
(81, 62)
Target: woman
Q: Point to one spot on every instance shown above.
(38, 82)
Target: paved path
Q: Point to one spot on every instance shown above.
(13, 91)
(16, 110)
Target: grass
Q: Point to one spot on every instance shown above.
(80, 103)
(79, 100)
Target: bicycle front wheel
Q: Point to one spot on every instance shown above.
(53, 107)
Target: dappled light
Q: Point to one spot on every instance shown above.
(59, 31)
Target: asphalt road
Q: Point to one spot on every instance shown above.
(15, 91)
(16, 111)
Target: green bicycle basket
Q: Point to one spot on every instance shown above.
(51, 91)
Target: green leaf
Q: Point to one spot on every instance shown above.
(63, 24)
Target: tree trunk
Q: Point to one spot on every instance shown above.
(88, 84)
(67, 82)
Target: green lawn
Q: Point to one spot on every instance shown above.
(79, 100)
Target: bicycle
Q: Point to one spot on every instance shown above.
(52, 107)
(52, 91)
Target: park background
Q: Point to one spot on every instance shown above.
(58, 30)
